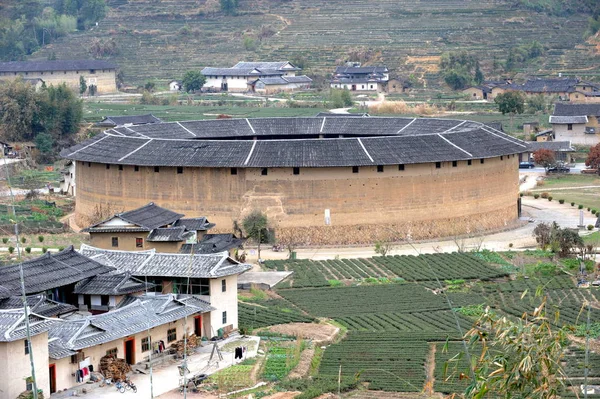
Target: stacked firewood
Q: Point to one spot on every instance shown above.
(115, 368)
(192, 343)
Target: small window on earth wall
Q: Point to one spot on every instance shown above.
(115, 241)
(171, 335)
(145, 344)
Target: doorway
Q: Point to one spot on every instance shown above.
(198, 326)
(52, 377)
(353, 87)
(224, 86)
(129, 346)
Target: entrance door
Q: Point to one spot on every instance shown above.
(353, 87)
(198, 325)
(224, 86)
(519, 207)
(130, 350)
(52, 377)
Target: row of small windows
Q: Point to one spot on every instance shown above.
(92, 71)
(296, 170)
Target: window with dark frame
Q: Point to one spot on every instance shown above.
(26, 346)
(438, 165)
(156, 169)
(78, 357)
(454, 164)
(107, 166)
(482, 160)
(136, 168)
(401, 167)
(296, 171)
(225, 317)
(28, 384)
(469, 162)
(234, 171)
(171, 334)
(115, 242)
(112, 352)
(120, 167)
(379, 168)
(223, 285)
(139, 242)
(569, 126)
(355, 169)
(501, 158)
(179, 170)
(89, 164)
(264, 171)
(145, 344)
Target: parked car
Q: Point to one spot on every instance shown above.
(559, 169)
(526, 165)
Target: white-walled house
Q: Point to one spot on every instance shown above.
(244, 76)
(175, 85)
(577, 123)
(354, 77)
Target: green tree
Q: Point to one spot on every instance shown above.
(457, 79)
(19, 111)
(460, 69)
(516, 358)
(82, 85)
(256, 226)
(193, 80)
(511, 102)
(479, 78)
(44, 143)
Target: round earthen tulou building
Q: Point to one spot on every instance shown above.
(321, 180)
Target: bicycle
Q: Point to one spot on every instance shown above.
(130, 385)
(120, 387)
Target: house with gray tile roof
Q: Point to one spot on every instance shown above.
(262, 77)
(577, 123)
(38, 304)
(147, 227)
(355, 77)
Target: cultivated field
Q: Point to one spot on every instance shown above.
(401, 329)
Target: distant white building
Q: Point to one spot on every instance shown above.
(256, 76)
(577, 123)
(174, 85)
(358, 78)
(67, 181)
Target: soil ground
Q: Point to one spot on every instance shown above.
(302, 369)
(319, 333)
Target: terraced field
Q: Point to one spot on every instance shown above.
(163, 39)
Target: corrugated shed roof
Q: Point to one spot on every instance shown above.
(56, 65)
(155, 264)
(49, 271)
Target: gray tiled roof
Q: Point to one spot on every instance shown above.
(561, 109)
(111, 284)
(266, 65)
(59, 65)
(208, 71)
(156, 264)
(560, 146)
(148, 217)
(168, 234)
(400, 141)
(195, 224)
(13, 327)
(557, 119)
(283, 80)
(213, 243)
(140, 314)
(39, 304)
(49, 271)
(562, 85)
(129, 120)
(360, 70)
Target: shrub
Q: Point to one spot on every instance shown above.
(589, 209)
(371, 280)
(550, 198)
(4, 240)
(28, 250)
(580, 207)
(24, 240)
(536, 196)
(44, 250)
(545, 195)
(590, 227)
(41, 238)
(520, 194)
(572, 204)
(335, 283)
(594, 212)
(61, 248)
(11, 249)
(561, 201)
(510, 245)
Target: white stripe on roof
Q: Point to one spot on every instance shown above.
(136, 150)
(89, 145)
(186, 129)
(251, 151)
(365, 150)
(451, 143)
(249, 124)
(409, 123)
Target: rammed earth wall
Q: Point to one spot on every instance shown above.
(422, 200)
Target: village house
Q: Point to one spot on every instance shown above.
(210, 277)
(354, 77)
(117, 312)
(562, 150)
(98, 73)
(175, 85)
(148, 227)
(67, 179)
(577, 123)
(261, 77)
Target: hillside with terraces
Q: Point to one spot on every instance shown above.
(162, 39)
